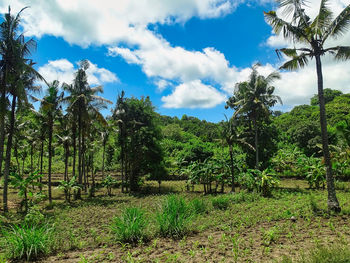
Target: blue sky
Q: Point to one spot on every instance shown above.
(186, 54)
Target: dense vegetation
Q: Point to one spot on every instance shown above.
(64, 160)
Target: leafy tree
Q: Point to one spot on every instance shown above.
(329, 95)
(139, 135)
(18, 78)
(253, 98)
(313, 34)
(51, 109)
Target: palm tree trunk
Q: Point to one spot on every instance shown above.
(2, 127)
(2, 118)
(31, 157)
(66, 163)
(74, 130)
(50, 160)
(80, 178)
(333, 203)
(8, 152)
(232, 170)
(256, 144)
(103, 160)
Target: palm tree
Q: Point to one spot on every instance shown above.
(253, 98)
(84, 104)
(233, 137)
(51, 108)
(312, 35)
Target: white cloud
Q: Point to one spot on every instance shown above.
(193, 94)
(63, 71)
(123, 27)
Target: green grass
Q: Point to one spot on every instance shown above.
(221, 202)
(27, 241)
(199, 206)
(324, 254)
(130, 227)
(174, 217)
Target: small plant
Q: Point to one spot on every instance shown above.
(34, 216)
(68, 187)
(221, 202)
(130, 227)
(25, 186)
(174, 217)
(199, 206)
(27, 241)
(109, 182)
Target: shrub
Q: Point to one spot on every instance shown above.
(27, 241)
(199, 206)
(221, 202)
(174, 217)
(130, 227)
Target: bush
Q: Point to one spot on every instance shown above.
(130, 227)
(174, 217)
(221, 202)
(199, 206)
(27, 241)
(243, 196)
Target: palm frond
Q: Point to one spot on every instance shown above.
(323, 19)
(339, 25)
(299, 61)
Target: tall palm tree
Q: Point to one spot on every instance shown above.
(254, 98)
(311, 35)
(233, 137)
(83, 104)
(51, 108)
(8, 47)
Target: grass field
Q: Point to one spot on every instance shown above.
(290, 226)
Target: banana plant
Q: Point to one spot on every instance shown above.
(68, 187)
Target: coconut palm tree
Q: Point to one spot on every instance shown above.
(51, 108)
(253, 98)
(311, 35)
(84, 104)
(233, 137)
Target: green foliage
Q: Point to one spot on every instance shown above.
(130, 227)
(329, 95)
(109, 183)
(316, 173)
(25, 186)
(69, 187)
(199, 206)
(221, 202)
(27, 241)
(174, 217)
(261, 181)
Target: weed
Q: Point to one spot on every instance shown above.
(130, 227)
(27, 241)
(199, 206)
(221, 202)
(174, 217)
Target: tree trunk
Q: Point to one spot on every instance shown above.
(8, 152)
(232, 169)
(50, 159)
(74, 131)
(66, 163)
(333, 203)
(103, 160)
(31, 158)
(256, 144)
(2, 128)
(41, 163)
(80, 178)
(83, 171)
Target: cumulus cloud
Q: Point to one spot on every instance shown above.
(63, 71)
(193, 94)
(203, 78)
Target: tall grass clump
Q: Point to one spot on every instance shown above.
(130, 227)
(174, 217)
(27, 241)
(332, 254)
(221, 202)
(199, 206)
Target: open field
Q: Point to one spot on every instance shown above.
(251, 229)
